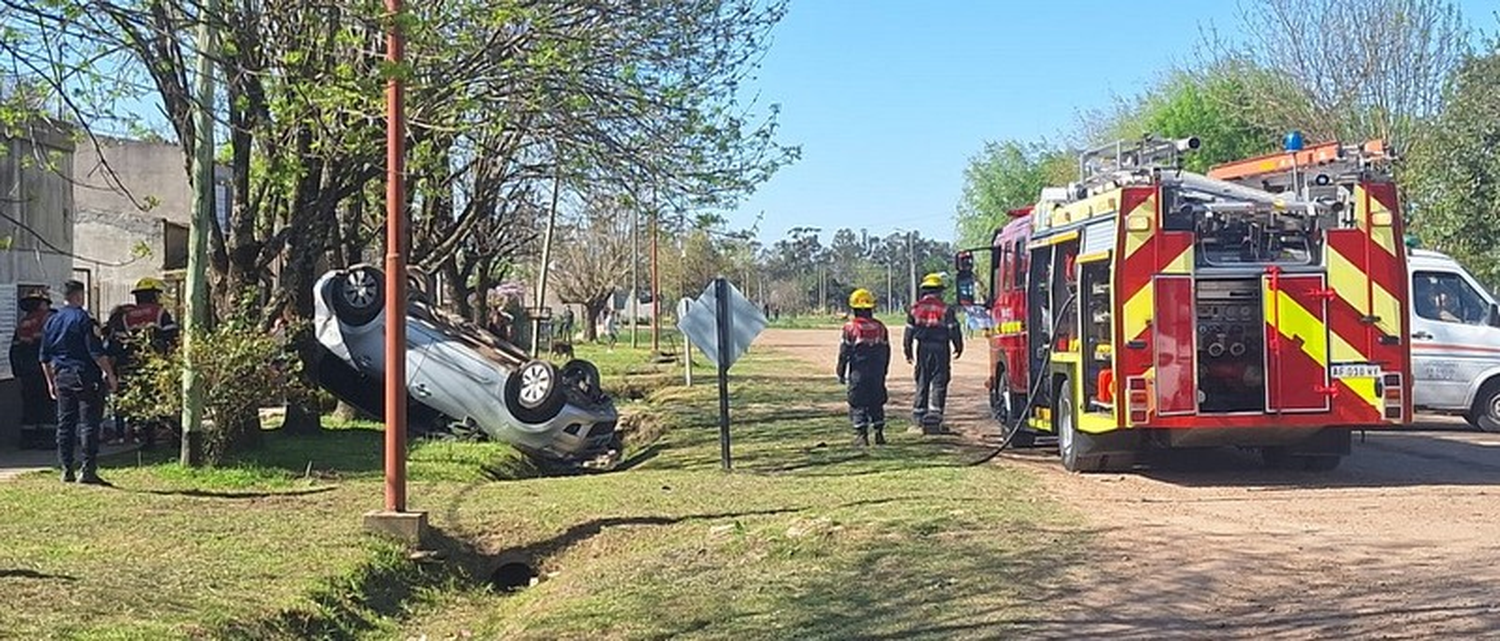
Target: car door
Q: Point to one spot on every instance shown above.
(1452, 342)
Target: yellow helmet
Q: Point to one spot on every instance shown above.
(148, 284)
(932, 281)
(861, 299)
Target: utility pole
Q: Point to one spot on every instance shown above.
(890, 296)
(635, 280)
(911, 256)
(203, 219)
(541, 286)
(655, 280)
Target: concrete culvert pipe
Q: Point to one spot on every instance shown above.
(512, 576)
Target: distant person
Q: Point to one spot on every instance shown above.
(37, 410)
(932, 326)
(864, 361)
(565, 325)
(611, 324)
(78, 372)
(132, 331)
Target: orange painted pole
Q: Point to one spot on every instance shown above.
(395, 269)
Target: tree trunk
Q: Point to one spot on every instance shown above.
(591, 320)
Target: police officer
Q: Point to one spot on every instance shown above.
(933, 326)
(78, 372)
(132, 329)
(25, 352)
(864, 361)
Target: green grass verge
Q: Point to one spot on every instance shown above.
(809, 538)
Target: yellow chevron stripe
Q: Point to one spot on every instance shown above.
(1383, 235)
(1136, 315)
(1144, 211)
(1297, 322)
(1349, 282)
(1182, 264)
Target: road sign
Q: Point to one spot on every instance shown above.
(700, 323)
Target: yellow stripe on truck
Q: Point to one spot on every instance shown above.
(1296, 322)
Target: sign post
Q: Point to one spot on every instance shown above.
(722, 323)
(725, 322)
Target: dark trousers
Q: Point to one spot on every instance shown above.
(80, 409)
(867, 417)
(933, 369)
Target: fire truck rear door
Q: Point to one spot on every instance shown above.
(1296, 317)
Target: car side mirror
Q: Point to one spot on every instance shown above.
(1494, 316)
(964, 264)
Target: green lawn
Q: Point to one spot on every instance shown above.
(809, 538)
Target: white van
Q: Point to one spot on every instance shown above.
(1455, 341)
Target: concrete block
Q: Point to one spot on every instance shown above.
(407, 527)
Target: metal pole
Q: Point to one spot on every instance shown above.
(721, 292)
(655, 284)
(395, 269)
(541, 286)
(911, 254)
(196, 318)
(890, 296)
(635, 280)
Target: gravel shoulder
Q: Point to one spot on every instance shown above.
(1398, 543)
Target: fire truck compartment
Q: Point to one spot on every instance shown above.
(1231, 346)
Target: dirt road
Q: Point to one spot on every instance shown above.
(1401, 542)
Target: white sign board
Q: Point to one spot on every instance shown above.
(700, 324)
(9, 317)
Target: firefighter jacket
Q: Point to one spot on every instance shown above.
(864, 360)
(934, 324)
(134, 327)
(26, 344)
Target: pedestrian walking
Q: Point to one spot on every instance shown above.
(78, 372)
(864, 361)
(565, 325)
(932, 326)
(611, 328)
(37, 411)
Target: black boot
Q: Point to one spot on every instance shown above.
(880, 435)
(861, 438)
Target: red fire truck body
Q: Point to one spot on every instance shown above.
(1149, 306)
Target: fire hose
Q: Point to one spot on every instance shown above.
(1020, 418)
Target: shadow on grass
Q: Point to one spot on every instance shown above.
(33, 574)
(230, 494)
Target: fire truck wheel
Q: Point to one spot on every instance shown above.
(1485, 414)
(1071, 444)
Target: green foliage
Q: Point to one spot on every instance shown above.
(1216, 105)
(1003, 176)
(1455, 182)
(242, 371)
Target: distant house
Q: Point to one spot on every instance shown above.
(36, 237)
(134, 204)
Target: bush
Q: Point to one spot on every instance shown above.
(242, 370)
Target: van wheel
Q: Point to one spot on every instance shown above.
(1485, 414)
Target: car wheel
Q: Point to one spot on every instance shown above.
(1485, 414)
(583, 374)
(534, 392)
(359, 296)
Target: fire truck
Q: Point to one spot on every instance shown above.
(1262, 305)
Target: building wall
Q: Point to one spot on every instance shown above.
(36, 235)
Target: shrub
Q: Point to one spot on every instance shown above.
(241, 369)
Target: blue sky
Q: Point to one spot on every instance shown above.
(890, 98)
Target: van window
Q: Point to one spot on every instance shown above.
(1446, 297)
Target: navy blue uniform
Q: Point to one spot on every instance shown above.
(932, 326)
(864, 361)
(70, 343)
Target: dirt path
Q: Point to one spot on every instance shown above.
(1402, 542)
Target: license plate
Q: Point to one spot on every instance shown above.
(1354, 371)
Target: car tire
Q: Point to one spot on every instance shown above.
(359, 295)
(1485, 414)
(585, 373)
(534, 392)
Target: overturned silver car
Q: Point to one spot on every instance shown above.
(460, 374)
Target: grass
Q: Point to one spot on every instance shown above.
(809, 538)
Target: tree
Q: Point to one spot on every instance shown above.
(1350, 69)
(1003, 176)
(1455, 191)
(592, 254)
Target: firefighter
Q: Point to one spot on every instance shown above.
(25, 348)
(132, 329)
(864, 361)
(932, 325)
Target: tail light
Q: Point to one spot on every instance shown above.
(1393, 395)
(1138, 399)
